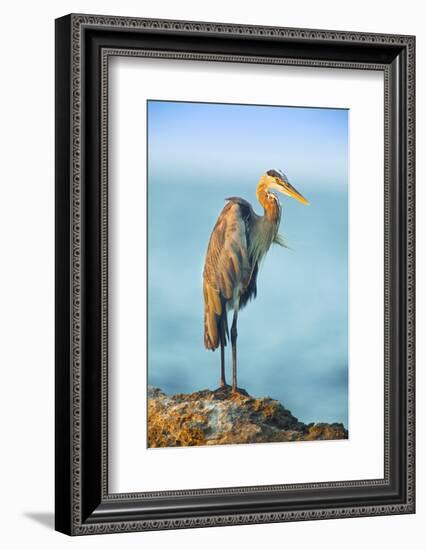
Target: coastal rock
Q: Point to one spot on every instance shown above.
(219, 417)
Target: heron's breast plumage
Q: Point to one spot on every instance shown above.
(262, 236)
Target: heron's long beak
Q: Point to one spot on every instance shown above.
(290, 191)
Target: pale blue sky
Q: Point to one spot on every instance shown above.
(293, 339)
(240, 139)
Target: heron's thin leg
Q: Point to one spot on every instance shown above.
(222, 364)
(234, 335)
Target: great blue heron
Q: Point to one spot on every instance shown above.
(239, 241)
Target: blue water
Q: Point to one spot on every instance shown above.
(293, 339)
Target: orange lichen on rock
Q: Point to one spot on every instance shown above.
(220, 417)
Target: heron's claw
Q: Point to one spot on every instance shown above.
(239, 391)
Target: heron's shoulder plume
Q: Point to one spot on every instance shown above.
(239, 200)
(246, 208)
(227, 266)
(242, 202)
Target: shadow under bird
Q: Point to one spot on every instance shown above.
(238, 243)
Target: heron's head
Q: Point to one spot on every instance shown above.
(276, 179)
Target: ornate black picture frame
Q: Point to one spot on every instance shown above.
(84, 44)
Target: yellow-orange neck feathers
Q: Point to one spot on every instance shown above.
(268, 200)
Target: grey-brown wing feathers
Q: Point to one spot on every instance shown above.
(227, 268)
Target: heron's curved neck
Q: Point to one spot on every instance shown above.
(269, 201)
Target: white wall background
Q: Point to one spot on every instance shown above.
(26, 289)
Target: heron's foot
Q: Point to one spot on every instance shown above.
(225, 392)
(239, 391)
(222, 392)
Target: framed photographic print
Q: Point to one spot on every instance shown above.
(234, 274)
